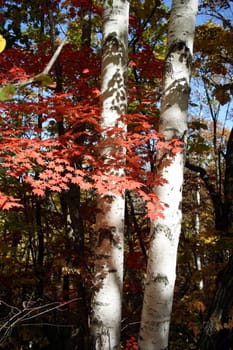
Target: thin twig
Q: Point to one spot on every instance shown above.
(26, 314)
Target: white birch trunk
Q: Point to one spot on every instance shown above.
(107, 297)
(197, 229)
(161, 269)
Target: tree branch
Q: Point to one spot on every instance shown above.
(17, 316)
(220, 223)
(46, 70)
(204, 176)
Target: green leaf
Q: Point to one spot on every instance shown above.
(7, 92)
(44, 80)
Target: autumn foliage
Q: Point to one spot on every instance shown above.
(50, 143)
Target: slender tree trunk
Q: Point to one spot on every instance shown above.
(228, 186)
(40, 257)
(86, 25)
(70, 201)
(197, 228)
(40, 237)
(161, 268)
(215, 335)
(106, 301)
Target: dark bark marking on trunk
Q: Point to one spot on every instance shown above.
(163, 230)
(161, 279)
(100, 340)
(181, 48)
(111, 42)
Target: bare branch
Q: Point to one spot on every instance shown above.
(46, 70)
(27, 313)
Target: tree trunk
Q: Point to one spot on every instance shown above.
(215, 336)
(228, 186)
(86, 25)
(108, 280)
(161, 267)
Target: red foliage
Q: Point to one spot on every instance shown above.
(32, 150)
(131, 344)
(148, 65)
(8, 202)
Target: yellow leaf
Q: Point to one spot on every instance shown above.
(2, 43)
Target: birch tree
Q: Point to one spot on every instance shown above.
(165, 231)
(106, 302)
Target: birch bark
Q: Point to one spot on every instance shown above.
(161, 269)
(107, 296)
